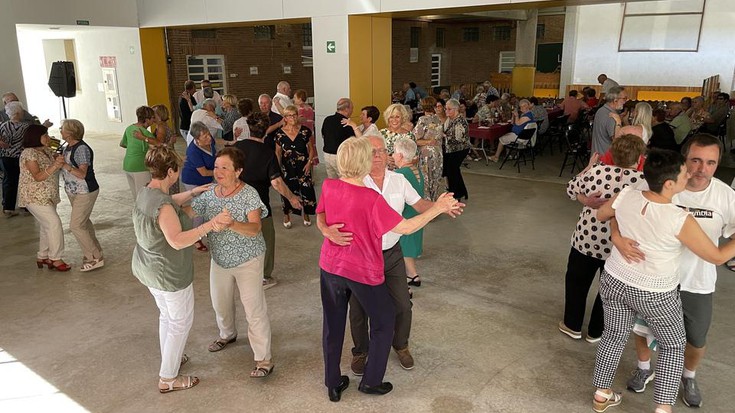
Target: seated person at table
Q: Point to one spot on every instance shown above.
(488, 110)
(679, 122)
(590, 99)
(662, 136)
(718, 112)
(519, 123)
(572, 106)
(540, 115)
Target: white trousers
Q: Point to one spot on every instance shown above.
(330, 161)
(174, 323)
(136, 181)
(248, 277)
(81, 226)
(51, 238)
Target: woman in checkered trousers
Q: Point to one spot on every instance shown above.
(649, 288)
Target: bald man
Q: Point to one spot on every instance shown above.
(282, 98)
(334, 133)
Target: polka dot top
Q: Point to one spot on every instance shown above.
(592, 237)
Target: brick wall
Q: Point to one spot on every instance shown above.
(241, 50)
(462, 61)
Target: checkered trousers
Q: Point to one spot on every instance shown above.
(662, 311)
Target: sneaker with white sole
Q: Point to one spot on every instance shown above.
(269, 282)
(568, 331)
(92, 265)
(639, 379)
(611, 399)
(594, 340)
(690, 394)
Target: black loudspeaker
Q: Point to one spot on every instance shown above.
(62, 80)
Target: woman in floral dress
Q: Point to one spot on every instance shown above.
(295, 152)
(429, 132)
(399, 126)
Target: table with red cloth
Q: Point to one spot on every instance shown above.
(487, 133)
(554, 113)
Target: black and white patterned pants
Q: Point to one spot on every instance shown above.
(662, 312)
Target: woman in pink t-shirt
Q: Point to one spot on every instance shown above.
(357, 268)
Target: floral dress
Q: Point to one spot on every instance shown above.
(429, 127)
(390, 140)
(294, 157)
(168, 140)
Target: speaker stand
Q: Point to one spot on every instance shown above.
(63, 104)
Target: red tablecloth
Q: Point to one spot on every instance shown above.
(491, 133)
(555, 113)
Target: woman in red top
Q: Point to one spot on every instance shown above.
(357, 268)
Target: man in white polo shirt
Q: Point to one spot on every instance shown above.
(712, 203)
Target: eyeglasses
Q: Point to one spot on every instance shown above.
(292, 115)
(379, 151)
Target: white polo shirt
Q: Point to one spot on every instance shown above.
(200, 115)
(398, 192)
(283, 100)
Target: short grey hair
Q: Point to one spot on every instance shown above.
(14, 109)
(524, 102)
(343, 104)
(197, 129)
(406, 147)
(281, 85)
(613, 93)
(264, 95)
(209, 103)
(208, 92)
(453, 103)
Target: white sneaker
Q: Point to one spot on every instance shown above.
(92, 265)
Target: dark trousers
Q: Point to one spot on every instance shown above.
(395, 280)
(581, 270)
(452, 164)
(11, 174)
(336, 292)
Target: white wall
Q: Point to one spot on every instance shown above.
(89, 105)
(597, 50)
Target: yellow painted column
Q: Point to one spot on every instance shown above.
(155, 67)
(370, 42)
(523, 79)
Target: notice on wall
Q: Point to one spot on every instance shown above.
(108, 62)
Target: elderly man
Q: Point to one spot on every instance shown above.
(334, 133)
(282, 98)
(209, 94)
(199, 95)
(489, 89)
(712, 203)
(207, 116)
(276, 120)
(607, 84)
(718, 112)
(540, 115)
(680, 122)
(27, 117)
(607, 120)
(398, 192)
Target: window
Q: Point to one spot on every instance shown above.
(415, 36)
(507, 62)
(501, 33)
(211, 67)
(471, 34)
(204, 34)
(436, 69)
(265, 32)
(307, 52)
(440, 37)
(540, 31)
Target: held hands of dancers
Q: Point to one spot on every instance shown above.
(222, 221)
(446, 203)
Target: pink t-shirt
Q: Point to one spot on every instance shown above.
(367, 216)
(307, 113)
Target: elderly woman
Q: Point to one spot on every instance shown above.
(38, 191)
(398, 119)
(429, 133)
(82, 190)
(368, 116)
(230, 115)
(456, 148)
(162, 260)
(649, 288)
(306, 112)
(519, 121)
(165, 135)
(238, 254)
(698, 115)
(186, 107)
(411, 244)
(135, 140)
(295, 152)
(11, 145)
(591, 243)
(199, 165)
(240, 130)
(357, 269)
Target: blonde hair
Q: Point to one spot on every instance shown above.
(643, 117)
(230, 99)
(354, 158)
(290, 108)
(161, 111)
(159, 159)
(74, 127)
(397, 107)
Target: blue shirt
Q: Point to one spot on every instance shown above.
(196, 158)
(517, 129)
(229, 248)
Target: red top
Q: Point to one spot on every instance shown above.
(607, 159)
(367, 216)
(307, 113)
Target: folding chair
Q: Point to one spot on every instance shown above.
(522, 146)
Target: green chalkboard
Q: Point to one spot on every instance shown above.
(548, 57)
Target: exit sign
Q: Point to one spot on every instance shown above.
(82, 22)
(331, 46)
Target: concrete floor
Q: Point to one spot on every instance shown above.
(484, 331)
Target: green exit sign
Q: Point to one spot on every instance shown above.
(82, 22)
(331, 46)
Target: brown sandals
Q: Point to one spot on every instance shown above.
(262, 369)
(177, 383)
(220, 344)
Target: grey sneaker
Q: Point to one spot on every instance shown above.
(640, 378)
(690, 392)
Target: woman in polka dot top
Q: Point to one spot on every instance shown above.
(591, 243)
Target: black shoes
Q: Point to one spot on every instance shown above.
(335, 393)
(381, 389)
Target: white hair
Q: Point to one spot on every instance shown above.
(405, 147)
(14, 109)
